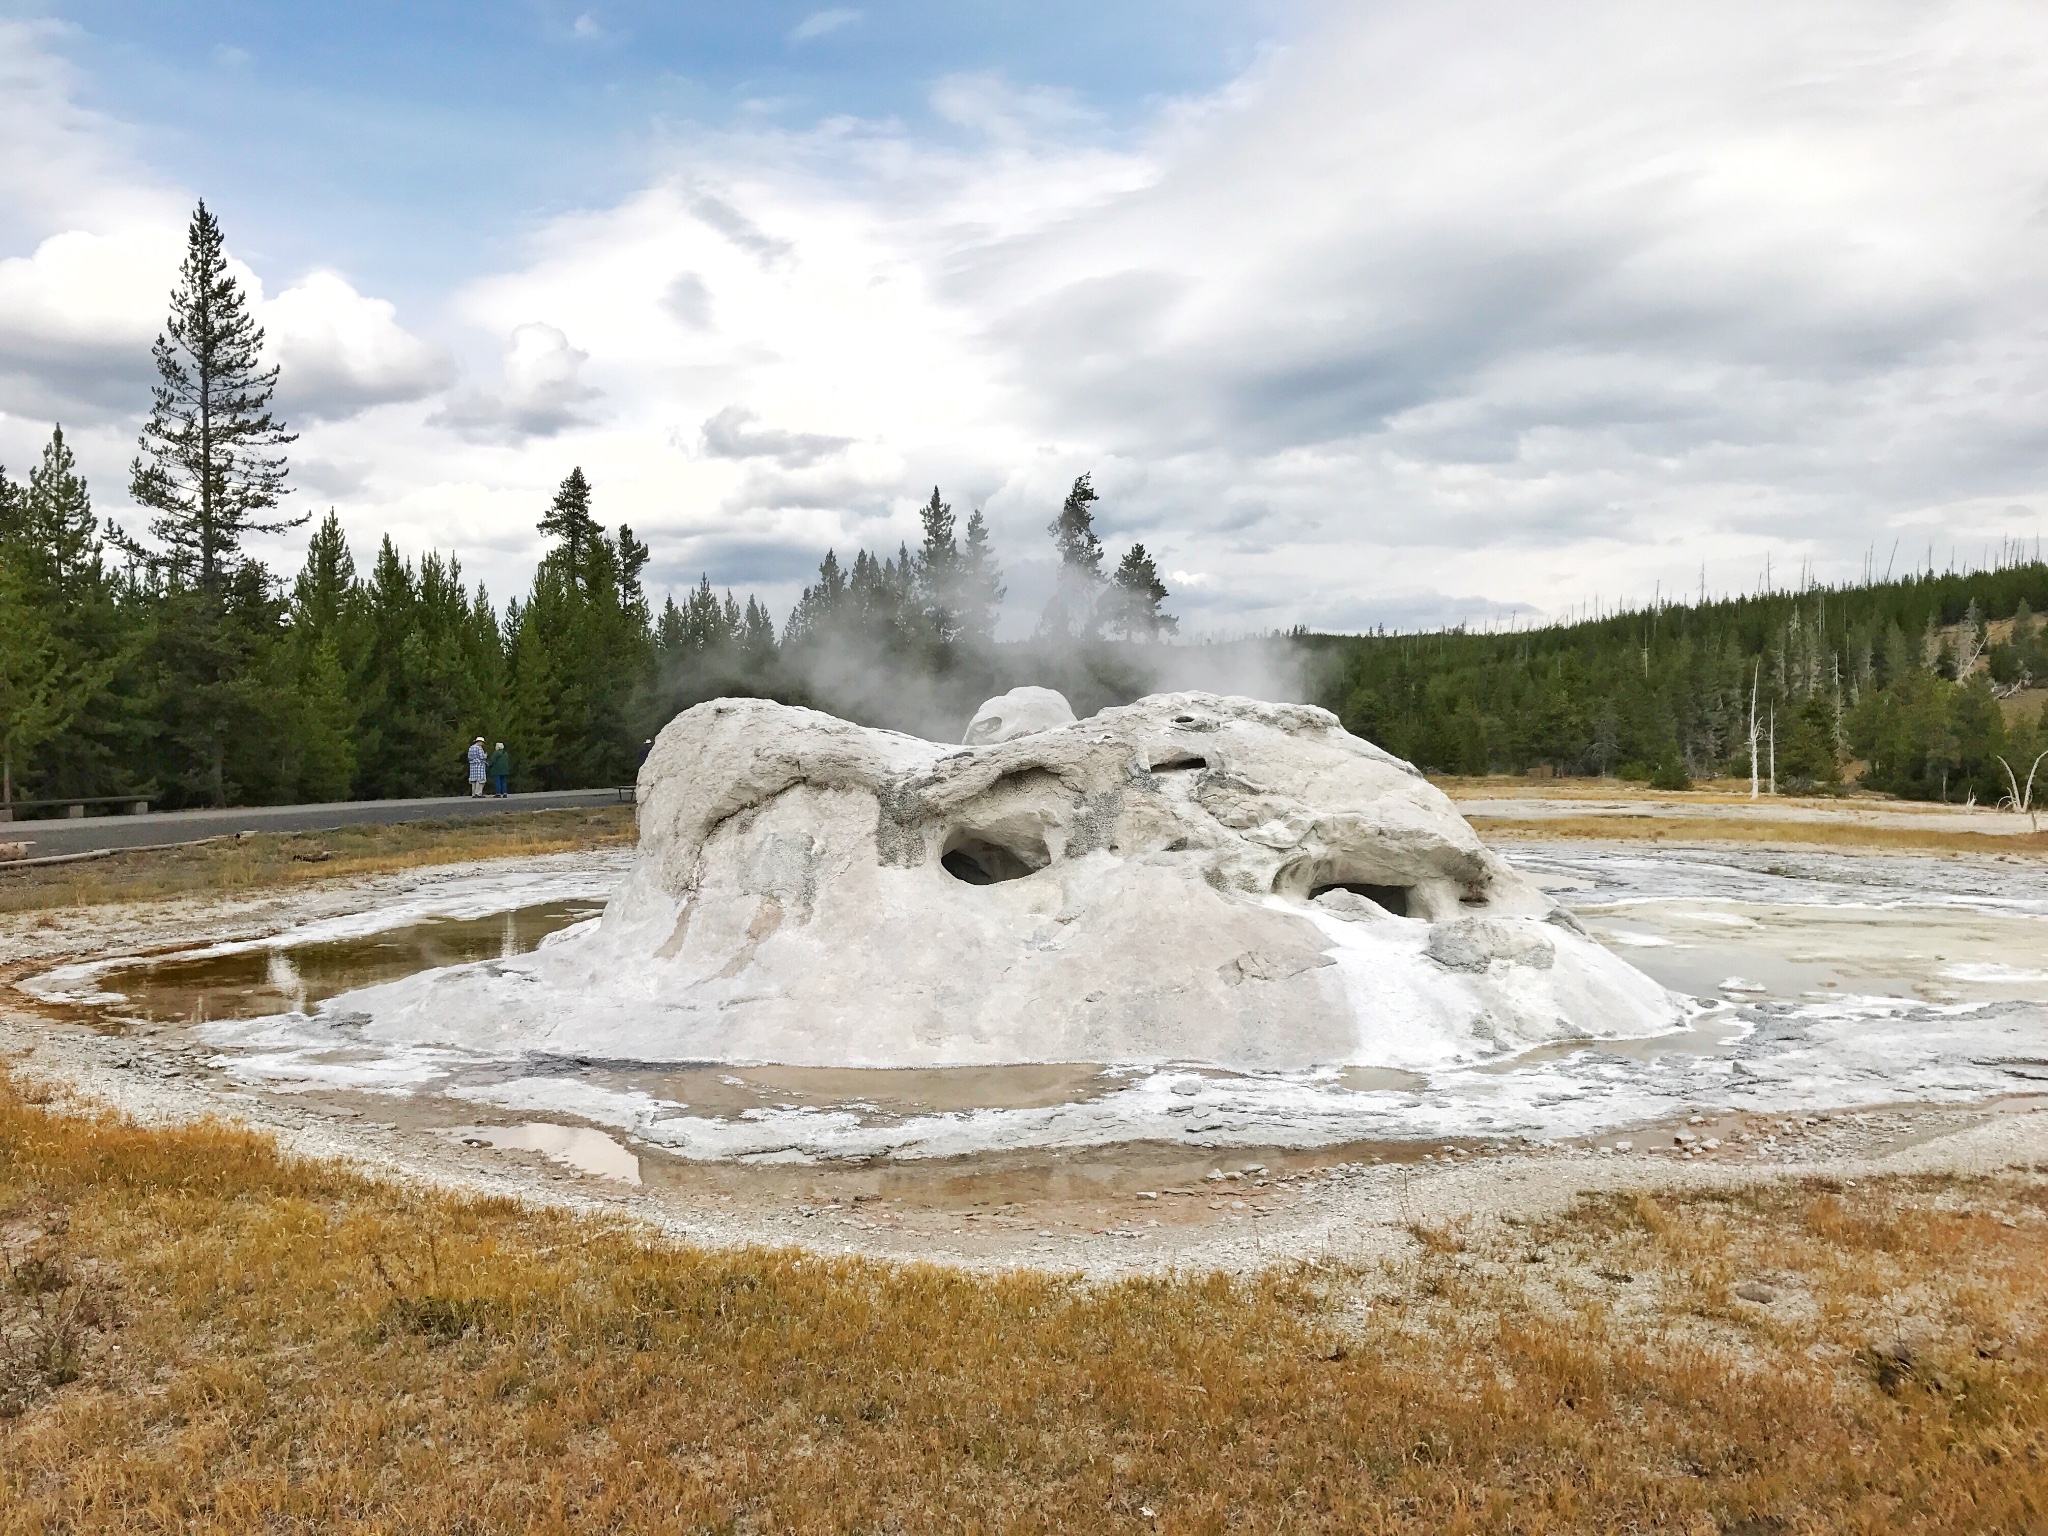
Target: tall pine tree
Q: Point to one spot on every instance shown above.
(209, 464)
(980, 587)
(580, 651)
(64, 643)
(938, 572)
(67, 575)
(568, 519)
(1134, 598)
(1071, 612)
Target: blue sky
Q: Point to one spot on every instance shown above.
(1402, 313)
(411, 143)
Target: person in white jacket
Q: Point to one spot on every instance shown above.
(476, 767)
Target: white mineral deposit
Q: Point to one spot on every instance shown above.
(1191, 878)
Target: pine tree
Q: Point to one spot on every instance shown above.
(388, 740)
(1134, 598)
(1071, 609)
(50, 535)
(209, 466)
(535, 689)
(208, 462)
(756, 640)
(57, 525)
(704, 626)
(568, 519)
(55, 659)
(938, 572)
(331, 673)
(1073, 531)
(326, 582)
(980, 589)
(325, 735)
(633, 557)
(817, 610)
(582, 656)
(670, 637)
(32, 704)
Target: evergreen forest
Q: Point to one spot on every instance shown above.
(1921, 687)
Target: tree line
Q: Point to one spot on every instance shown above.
(173, 665)
(1921, 685)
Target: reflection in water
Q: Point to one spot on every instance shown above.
(871, 1093)
(256, 983)
(578, 1146)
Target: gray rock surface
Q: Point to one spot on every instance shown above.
(1020, 712)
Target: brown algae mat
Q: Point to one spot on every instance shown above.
(198, 1333)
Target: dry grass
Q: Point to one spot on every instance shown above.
(1490, 786)
(1730, 829)
(289, 858)
(201, 1335)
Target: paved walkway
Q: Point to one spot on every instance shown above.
(91, 834)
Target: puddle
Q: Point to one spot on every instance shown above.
(1708, 1036)
(1784, 951)
(574, 1146)
(260, 981)
(874, 1094)
(1372, 1079)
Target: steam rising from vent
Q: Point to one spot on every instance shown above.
(877, 682)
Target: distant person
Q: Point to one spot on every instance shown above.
(646, 747)
(476, 768)
(500, 768)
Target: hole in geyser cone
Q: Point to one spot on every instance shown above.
(975, 859)
(1394, 898)
(1187, 762)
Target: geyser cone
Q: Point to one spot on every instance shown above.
(1190, 878)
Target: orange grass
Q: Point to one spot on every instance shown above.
(290, 858)
(258, 1343)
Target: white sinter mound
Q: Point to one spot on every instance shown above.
(1191, 878)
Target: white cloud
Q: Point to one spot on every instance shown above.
(989, 104)
(62, 165)
(539, 393)
(821, 23)
(735, 433)
(688, 301)
(78, 317)
(1482, 299)
(81, 302)
(341, 353)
